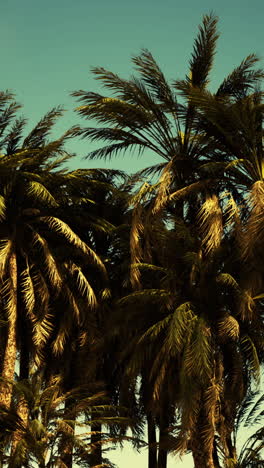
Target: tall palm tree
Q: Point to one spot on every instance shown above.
(33, 271)
(96, 216)
(146, 114)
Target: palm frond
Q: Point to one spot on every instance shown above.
(27, 289)
(37, 137)
(2, 208)
(203, 52)
(5, 253)
(50, 262)
(40, 193)
(198, 355)
(210, 221)
(59, 226)
(251, 355)
(145, 295)
(155, 80)
(12, 139)
(242, 78)
(229, 328)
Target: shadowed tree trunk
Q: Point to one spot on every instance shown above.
(67, 444)
(202, 450)
(96, 439)
(163, 452)
(152, 441)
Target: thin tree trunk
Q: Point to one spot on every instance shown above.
(163, 452)
(152, 443)
(96, 439)
(9, 360)
(67, 445)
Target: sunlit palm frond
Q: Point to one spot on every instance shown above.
(42, 329)
(10, 300)
(5, 253)
(2, 208)
(59, 226)
(84, 286)
(164, 188)
(27, 289)
(210, 222)
(50, 262)
(229, 328)
(254, 231)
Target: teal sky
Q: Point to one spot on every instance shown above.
(47, 49)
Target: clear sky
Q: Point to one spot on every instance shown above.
(48, 47)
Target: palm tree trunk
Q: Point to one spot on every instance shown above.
(163, 453)
(66, 451)
(152, 441)
(96, 439)
(9, 360)
(202, 444)
(202, 452)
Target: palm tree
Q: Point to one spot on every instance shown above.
(96, 215)
(146, 114)
(50, 419)
(191, 307)
(234, 121)
(33, 271)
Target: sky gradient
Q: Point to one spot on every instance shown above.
(47, 49)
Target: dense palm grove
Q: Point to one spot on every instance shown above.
(132, 306)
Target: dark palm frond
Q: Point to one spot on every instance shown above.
(12, 140)
(7, 115)
(242, 79)
(156, 81)
(204, 50)
(37, 137)
(203, 53)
